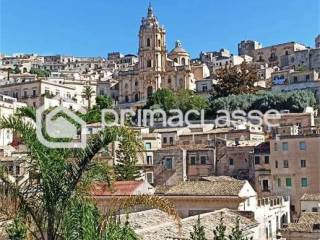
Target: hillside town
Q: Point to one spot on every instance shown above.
(262, 179)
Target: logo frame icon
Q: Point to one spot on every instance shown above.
(65, 124)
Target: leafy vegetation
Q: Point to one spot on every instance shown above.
(295, 101)
(240, 79)
(198, 231)
(87, 94)
(40, 72)
(126, 167)
(184, 100)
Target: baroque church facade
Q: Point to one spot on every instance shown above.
(156, 69)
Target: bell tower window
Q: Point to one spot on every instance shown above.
(183, 60)
(148, 42)
(149, 63)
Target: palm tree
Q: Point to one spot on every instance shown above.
(87, 93)
(62, 175)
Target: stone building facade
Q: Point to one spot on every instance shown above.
(155, 68)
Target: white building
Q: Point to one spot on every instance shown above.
(8, 106)
(310, 202)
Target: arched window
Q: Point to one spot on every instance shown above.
(136, 97)
(149, 91)
(183, 61)
(148, 42)
(149, 63)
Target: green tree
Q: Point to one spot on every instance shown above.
(187, 100)
(87, 94)
(16, 70)
(126, 166)
(59, 172)
(219, 232)
(40, 72)
(103, 102)
(165, 99)
(237, 232)
(58, 207)
(198, 231)
(17, 230)
(239, 79)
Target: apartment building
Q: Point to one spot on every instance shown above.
(8, 106)
(276, 55)
(289, 80)
(295, 164)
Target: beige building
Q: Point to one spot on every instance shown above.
(310, 202)
(214, 193)
(289, 80)
(155, 69)
(36, 91)
(295, 164)
(276, 55)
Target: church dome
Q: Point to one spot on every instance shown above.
(178, 49)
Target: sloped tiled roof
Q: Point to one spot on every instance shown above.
(311, 197)
(306, 223)
(119, 188)
(156, 225)
(207, 188)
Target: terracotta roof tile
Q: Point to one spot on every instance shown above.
(119, 188)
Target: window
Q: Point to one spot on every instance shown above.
(148, 42)
(288, 182)
(314, 209)
(164, 140)
(149, 63)
(168, 163)
(276, 146)
(279, 182)
(136, 97)
(149, 160)
(295, 79)
(231, 162)
(193, 160)
(204, 88)
(285, 163)
(34, 92)
(304, 182)
(149, 177)
(171, 140)
(302, 146)
(17, 170)
(183, 61)
(126, 99)
(276, 163)
(307, 77)
(147, 146)
(285, 146)
(303, 163)
(266, 159)
(25, 94)
(257, 159)
(203, 160)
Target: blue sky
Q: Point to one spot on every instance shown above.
(96, 27)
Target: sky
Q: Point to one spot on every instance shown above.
(96, 27)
